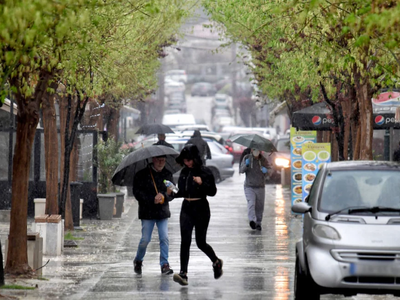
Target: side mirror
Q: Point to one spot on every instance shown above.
(301, 208)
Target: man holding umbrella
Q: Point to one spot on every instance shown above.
(153, 198)
(161, 141)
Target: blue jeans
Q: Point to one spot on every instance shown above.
(147, 230)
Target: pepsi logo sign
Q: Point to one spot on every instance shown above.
(316, 120)
(379, 120)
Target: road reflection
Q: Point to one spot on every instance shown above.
(281, 277)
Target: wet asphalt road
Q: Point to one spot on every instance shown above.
(257, 264)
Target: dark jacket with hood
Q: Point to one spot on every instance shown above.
(145, 192)
(201, 145)
(188, 188)
(164, 143)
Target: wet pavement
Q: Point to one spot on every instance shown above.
(257, 264)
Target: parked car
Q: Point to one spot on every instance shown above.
(221, 162)
(203, 89)
(278, 160)
(206, 134)
(350, 241)
(177, 100)
(176, 75)
(173, 120)
(201, 127)
(171, 86)
(222, 101)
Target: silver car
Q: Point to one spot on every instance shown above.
(351, 234)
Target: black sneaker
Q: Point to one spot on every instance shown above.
(166, 270)
(252, 224)
(258, 227)
(137, 266)
(181, 278)
(218, 268)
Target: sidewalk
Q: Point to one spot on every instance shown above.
(77, 269)
(257, 264)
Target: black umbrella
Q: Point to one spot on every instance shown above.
(255, 141)
(139, 159)
(154, 129)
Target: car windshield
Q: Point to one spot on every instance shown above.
(360, 188)
(283, 145)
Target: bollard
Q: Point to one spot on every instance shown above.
(75, 202)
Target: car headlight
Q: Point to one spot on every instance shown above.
(282, 162)
(326, 232)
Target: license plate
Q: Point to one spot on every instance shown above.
(374, 269)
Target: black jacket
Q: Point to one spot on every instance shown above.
(201, 145)
(144, 192)
(163, 143)
(188, 188)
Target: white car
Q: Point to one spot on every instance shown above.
(176, 75)
(173, 120)
(171, 86)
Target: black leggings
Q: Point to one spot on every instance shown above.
(194, 214)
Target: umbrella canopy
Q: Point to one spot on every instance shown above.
(154, 129)
(139, 159)
(320, 117)
(255, 141)
(314, 117)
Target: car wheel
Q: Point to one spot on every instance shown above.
(304, 286)
(216, 174)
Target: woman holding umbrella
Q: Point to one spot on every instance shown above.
(195, 183)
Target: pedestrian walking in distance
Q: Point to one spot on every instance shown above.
(153, 197)
(396, 154)
(162, 142)
(195, 183)
(255, 166)
(204, 150)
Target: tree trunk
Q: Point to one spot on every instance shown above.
(69, 137)
(51, 151)
(28, 118)
(65, 205)
(112, 125)
(364, 99)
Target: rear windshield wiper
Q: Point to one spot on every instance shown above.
(373, 209)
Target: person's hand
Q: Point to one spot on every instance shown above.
(197, 179)
(247, 161)
(264, 170)
(159, 199)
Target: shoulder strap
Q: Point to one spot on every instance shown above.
(152, 177)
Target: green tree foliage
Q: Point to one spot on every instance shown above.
(297, 46)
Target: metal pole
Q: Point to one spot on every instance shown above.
(386, 143)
